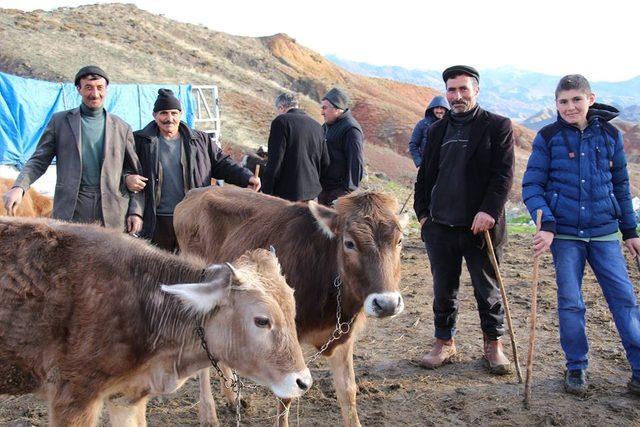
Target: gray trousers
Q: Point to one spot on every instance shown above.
(88, 206)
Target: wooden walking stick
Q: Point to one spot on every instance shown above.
(404, 205)
(532, 320)
(494, 262)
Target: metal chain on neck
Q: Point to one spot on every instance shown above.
(234, 383)
(228, 382)
(342, 328)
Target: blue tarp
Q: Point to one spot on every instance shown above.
(26, 106)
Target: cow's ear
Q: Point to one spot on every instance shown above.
(204, 297)
(403, 220)
(325, 217)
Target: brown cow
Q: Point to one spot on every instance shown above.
(89, 314)
(357, 244)
(33, 203)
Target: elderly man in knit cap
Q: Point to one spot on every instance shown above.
(344, 139)
(462, 187)
(92, 149)
(175, 159)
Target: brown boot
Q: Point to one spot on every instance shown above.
(441, 353)
(495, 359)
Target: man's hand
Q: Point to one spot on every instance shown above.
(542, 241)
(134, 224)
(12, 199)
(482, 222)
(135, 183)
(254, 183)
(633, 245)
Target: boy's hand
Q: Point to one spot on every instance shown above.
(633, 245)
(542, 241)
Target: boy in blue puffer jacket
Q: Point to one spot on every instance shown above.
(577, 175)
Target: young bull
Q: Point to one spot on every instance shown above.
(90, 315)
(356, 245)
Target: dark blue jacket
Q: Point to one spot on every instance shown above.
(419, 136)
(579, 178)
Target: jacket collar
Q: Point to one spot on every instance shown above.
(295, 111)
(478, 128)
(150, 131)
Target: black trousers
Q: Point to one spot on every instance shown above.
(164, 236)
(446, 247)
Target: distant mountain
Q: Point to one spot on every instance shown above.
(540, 119)
(509, 91)
(630, 113)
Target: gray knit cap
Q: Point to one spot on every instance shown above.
(337, 98)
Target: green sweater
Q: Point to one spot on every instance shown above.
(92, 142)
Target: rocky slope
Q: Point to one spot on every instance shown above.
(135, 46)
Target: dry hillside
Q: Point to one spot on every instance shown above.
(135, 46)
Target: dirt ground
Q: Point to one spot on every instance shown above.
(393, 390)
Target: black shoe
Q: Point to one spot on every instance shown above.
(575, 382)
(634, 386)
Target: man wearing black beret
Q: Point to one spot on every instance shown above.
(460, 192)
(92, 148)
(175, 159)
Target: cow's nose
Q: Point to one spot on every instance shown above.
(302, 384)
(384, 305)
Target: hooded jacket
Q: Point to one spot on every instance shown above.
(419, 136)
(579, 179)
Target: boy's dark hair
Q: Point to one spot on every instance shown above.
(573, 81)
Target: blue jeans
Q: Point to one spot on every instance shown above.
(608, 264)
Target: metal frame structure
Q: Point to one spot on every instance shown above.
(207, 110)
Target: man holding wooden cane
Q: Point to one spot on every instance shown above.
(460, 192)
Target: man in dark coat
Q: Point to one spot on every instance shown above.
(434, 112)
(93, 149)
(460, 193)
(344, 139)
(175, 159)
(297, 153)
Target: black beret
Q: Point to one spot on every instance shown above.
(90, 69)
(460, 69)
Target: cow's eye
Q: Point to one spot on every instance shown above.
(399, 241)
(349, 244)
(262, 322)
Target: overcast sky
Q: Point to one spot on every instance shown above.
(597, 39)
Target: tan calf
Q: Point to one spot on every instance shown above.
(89, 315)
